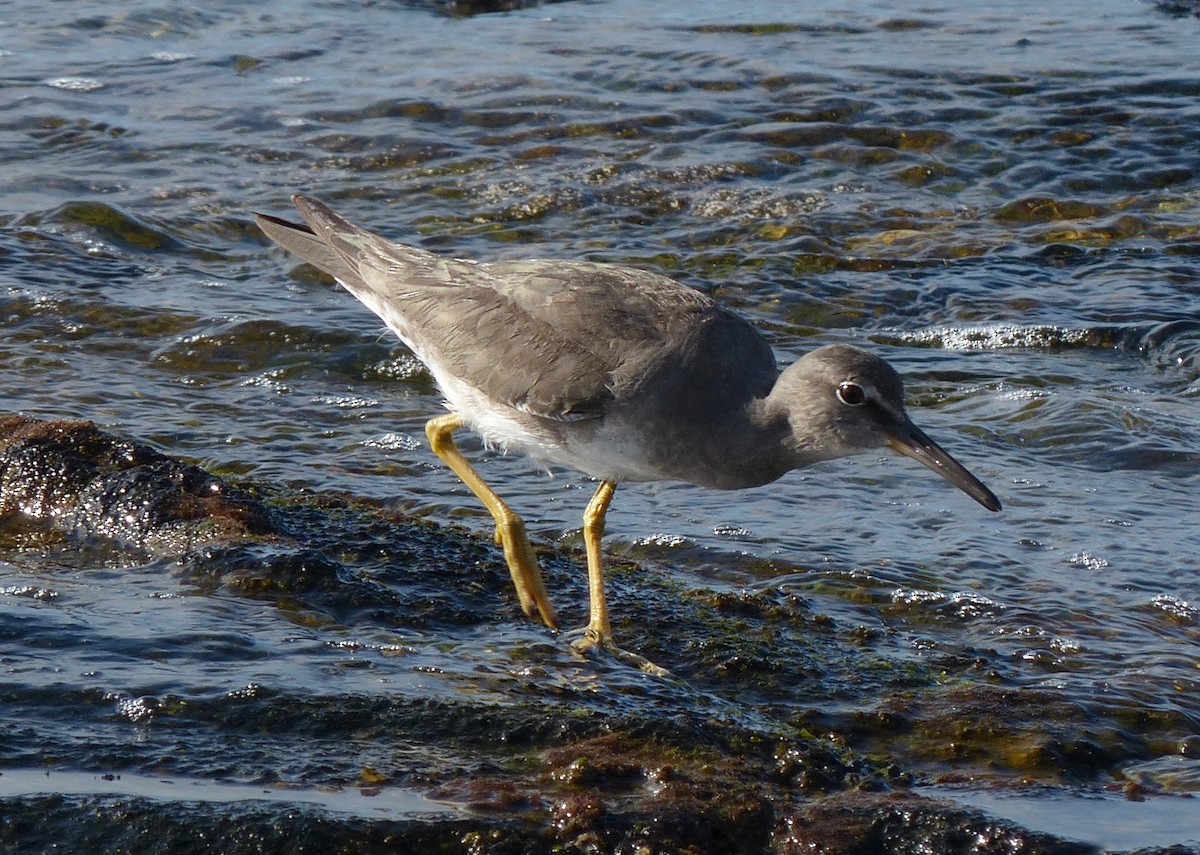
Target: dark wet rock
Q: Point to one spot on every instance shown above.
(323, 558)
(1041, 209)
(311, 585)
(467, 8)
(352, 562)
(615, 794)
(96, 824)
(898, 822)
(1178, 8)
(544, 753)
(75, 478)
(982, 732)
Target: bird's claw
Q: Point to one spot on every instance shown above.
(592, 644)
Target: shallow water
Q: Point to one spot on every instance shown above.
(364, 802)
(1111, 822)
(1003, 202)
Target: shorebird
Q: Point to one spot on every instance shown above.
(619, 373)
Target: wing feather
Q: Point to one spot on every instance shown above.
(558, 340)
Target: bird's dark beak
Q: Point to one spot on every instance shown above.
(909, 440)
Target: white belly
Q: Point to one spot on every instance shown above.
(601, 448)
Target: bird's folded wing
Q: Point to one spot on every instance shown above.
(555, 339)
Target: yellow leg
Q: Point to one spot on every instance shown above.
(510, 528)
(599, 631)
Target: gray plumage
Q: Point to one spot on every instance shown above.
(617, 372)
(621, 373)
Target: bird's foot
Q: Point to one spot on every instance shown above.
(592, 644)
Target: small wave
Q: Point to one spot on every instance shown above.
(1165, 336)
(75, 84)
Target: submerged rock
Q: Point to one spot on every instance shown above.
(469, 8)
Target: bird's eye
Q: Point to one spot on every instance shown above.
(851, 394)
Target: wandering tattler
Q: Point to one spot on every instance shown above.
(619, 373)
